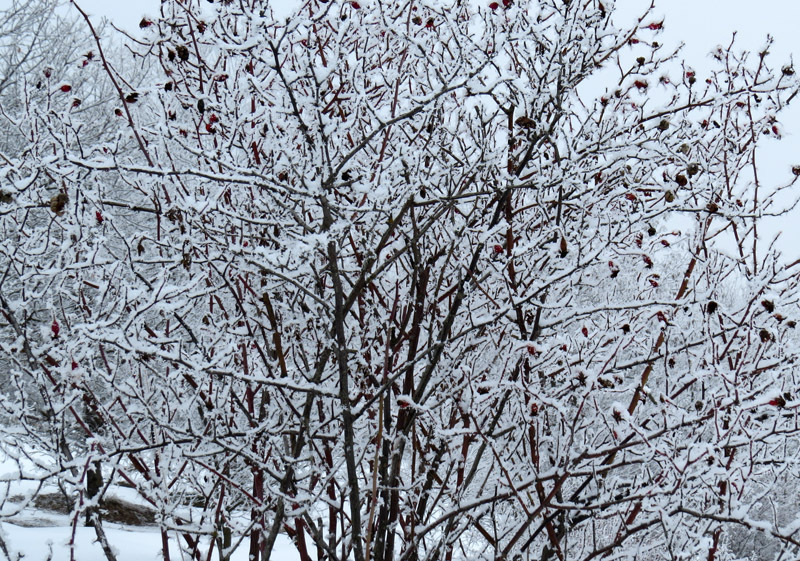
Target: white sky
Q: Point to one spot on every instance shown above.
(699, 24)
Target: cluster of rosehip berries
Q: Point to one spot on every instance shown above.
(494, 5)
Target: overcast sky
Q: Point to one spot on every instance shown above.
(699, 24)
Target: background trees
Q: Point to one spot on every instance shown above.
(388, 278)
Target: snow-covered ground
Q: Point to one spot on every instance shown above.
(36, 534)
(130, 544)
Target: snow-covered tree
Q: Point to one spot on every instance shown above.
(395, 278)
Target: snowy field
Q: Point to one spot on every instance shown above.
(131, 544)
(35, 534)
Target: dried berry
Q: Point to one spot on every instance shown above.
(525, 122)
(183, 52)
(779, 402)
(58, 203)
(681, 180)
